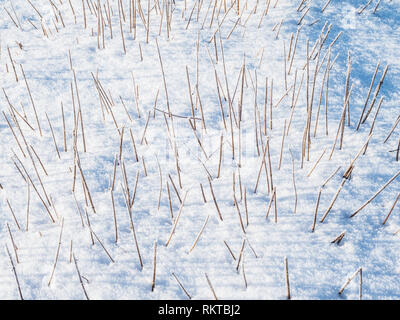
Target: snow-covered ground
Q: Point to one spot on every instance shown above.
(115, 89)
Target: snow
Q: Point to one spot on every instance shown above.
(317, 267)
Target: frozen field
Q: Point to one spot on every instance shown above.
(161, 149)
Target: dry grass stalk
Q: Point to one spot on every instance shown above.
(376, 194)
(391, 209)
(57, 253)
(13, 242)
(80, 111)
(214, 199)
(259, 171)
(27, 206)
(15, 274)
(369, 94)
(12, 63)
(64, 130)
(121, 30)
(54, 138)
(373, 122)
(12, 19)
(359, 270)
(283, 141)
(101, 244)
(316, 209)
(132, 226)
(33, 103)
(393, 128)
(176, 220)
(339, 238)
(134, 145)
(115, 216)
(15, 136)
(153, 282)
(164, 81)
(325, 6)
(86, 187)
(287, 279)
(175, 189)
(294, 102)
(37, 192)
(240, 216)
(341, 122)
(80, 277)
(229, 249)
(271, 199)
(376, 7)
(199, 234)
(220, 156)
(182, 287)
(316, 162)
(376, 94)
(294, 183)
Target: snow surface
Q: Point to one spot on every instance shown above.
(317, 267)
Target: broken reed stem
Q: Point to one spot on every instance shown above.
(12, 63)
(121, 30)
(345, 178)
(238, 211)
(283, 141)
(199, 234)
(80, 277)
(391, 209)
(211, 287)
(230, 251)
(115, 216)
(287, 278)
(54, 138)
(214, 199)
(369, 94)
(129, 207)
(393, 128)
(341, 122)
(240, 254)
(271, 199)
(182, 287)
(164, 81)
(169, 202)
(80, 111)
(153, 282)
(176, 220)
(13, 214)
(316, 162)
(376, 94)
(64, 130)
(28, 206)
(376, 194)
(325, 6)
(316, 209)
(15, 274)
(37, 192)
(134, 145)
(13, 242)
(33, 103)
(220, 156)
(294, 184)
(86, 186)
(359, 270)
(101, 244)
(57, 253)
(373, 122)
(15, 136)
